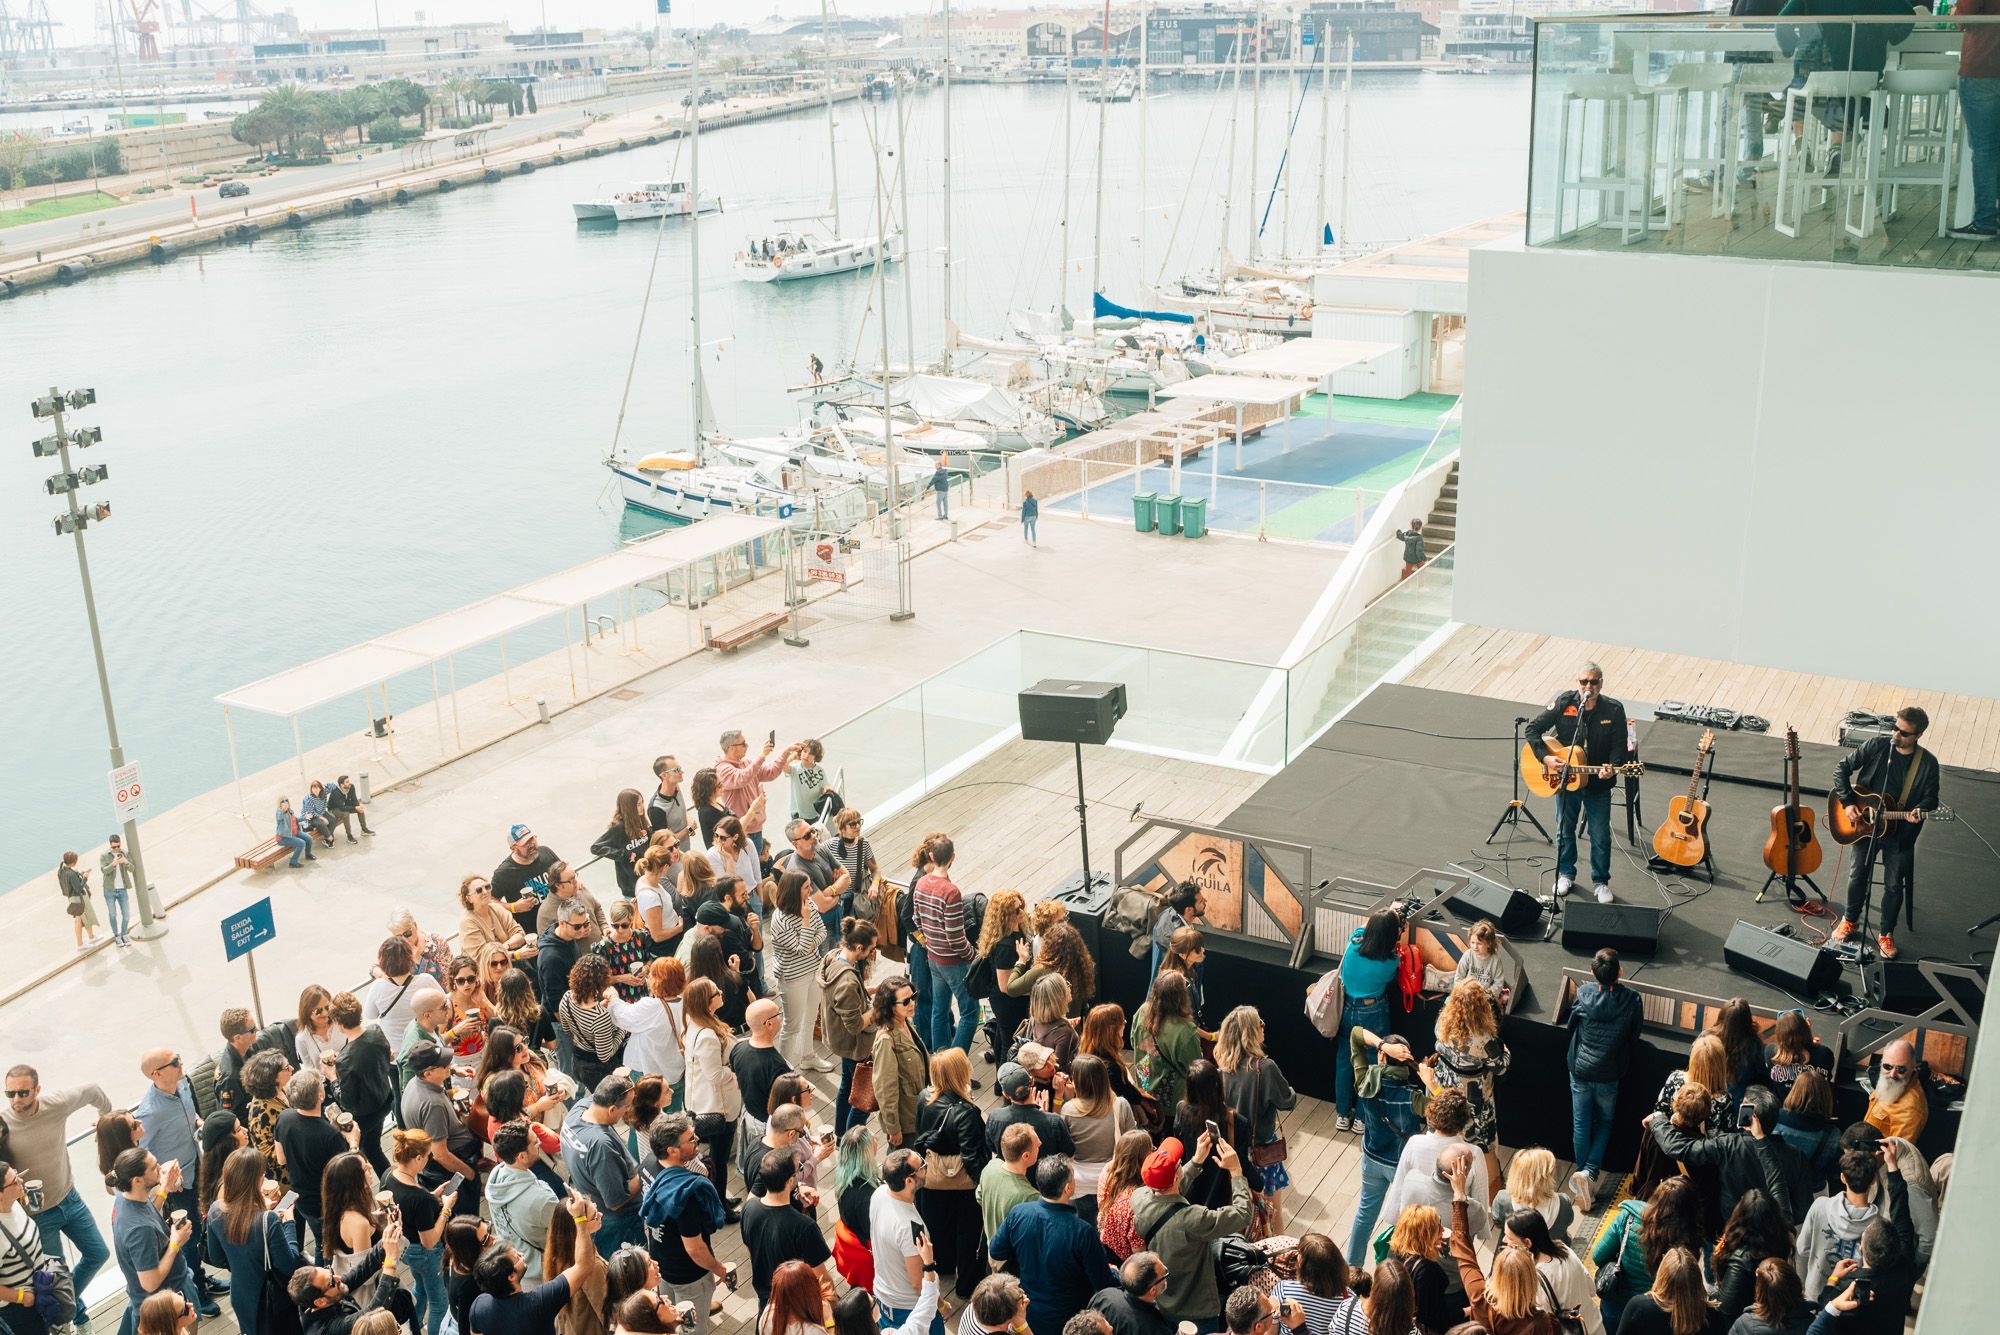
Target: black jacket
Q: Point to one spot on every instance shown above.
(950, 1125)
(341, 799)
(1867, 766)
(1603, 1026)
(618, 848)
(1128, 1315)
(1413, 546)
(229, 1083)
(553, 958)
(339, 1318)
(1736, 1282)
(1053, 1131)
(1770, 1165)
(1606, 741)
(367, 1074)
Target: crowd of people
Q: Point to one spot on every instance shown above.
(548, 1121)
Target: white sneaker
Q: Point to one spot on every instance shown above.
(1579, 1189)
(1603, 893)
(1563, 884)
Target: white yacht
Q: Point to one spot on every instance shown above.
(682, 486)
(785, 257)
(646, 200)
(832, 451)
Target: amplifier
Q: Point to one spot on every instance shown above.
(1779, 960)
(1053, 710)
(1515, 912)
(1629, 929)
(1861, 726)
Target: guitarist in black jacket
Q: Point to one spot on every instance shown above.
(1584, 717)
(1907, 776)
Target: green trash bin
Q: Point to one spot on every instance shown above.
(1142, 510)
(1168, 515)
(1194, 517)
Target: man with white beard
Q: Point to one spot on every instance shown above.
(1897, 1106)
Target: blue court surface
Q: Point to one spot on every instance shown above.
(1301, 473)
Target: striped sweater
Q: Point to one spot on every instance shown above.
(941, 918)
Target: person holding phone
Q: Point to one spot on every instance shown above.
(740, 781)
(422, 1211)
(899, 1241)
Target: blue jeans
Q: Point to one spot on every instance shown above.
(844, 1115)
(920, 983)
(948, 985)
(895, 1317)
(1375, 1180)
(619, 1229)
(1979, 102)
(298, 843)
(70, 1218)
(1375, 1019)
(1596, 809)
(426, 1268)
(118, 909)
(1593, 1104)
(941, 493)
(1028, 530)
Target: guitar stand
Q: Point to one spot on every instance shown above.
(1792, 893)
(1517, 807)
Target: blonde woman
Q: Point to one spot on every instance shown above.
(659, 919)
(1531, 1185)
(1677, 1304)
(1258, 1091)
(1471, 1059)
(1048, 1019)
(1708, 1066)
(949, 1125)
(713, 1098)
(1504, 1304)
(1418, 1242)
(493, 961)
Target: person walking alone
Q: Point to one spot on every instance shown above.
(1603, 1027)
(1031, 510)
(941, 488)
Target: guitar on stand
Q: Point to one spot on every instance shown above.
(1682, 839)
(1791, 851)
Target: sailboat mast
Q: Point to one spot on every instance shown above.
(1285, 163)
(1256, 122)
(1097, 220)
(1346, 140)
(696, 392)
(1229, 185)
(1062, 223)
(832, 139)
(903, 103)
(881, 304)
(1325, 54)
(947, 180)
(1144, 95)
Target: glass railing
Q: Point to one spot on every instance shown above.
(1193, 706)
(1830, 139)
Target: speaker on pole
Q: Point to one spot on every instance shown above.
(1780, 960)
(1076, 712)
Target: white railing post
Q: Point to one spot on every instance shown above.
(1260, 510)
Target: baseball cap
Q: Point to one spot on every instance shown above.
(516, 833)
(1014, 1081)
(1034, 1056)
(1161, 1165)
(611, 1090)
(426, 1056)
(711, 914)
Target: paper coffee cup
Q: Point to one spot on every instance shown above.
(1185, 1328)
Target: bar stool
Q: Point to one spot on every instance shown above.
(1700, 93)
(1912, 141)
(1815, 140)
(1758, 80)
(1615, 98)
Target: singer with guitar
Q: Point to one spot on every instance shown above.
(1591, 731)
(1901, 778)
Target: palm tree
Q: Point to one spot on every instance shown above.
(404, 97)
(361, 105)
(459, 89)
(291, 112)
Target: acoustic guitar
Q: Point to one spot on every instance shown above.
(1875, 809)
(1790, 849)
(1682, 838)
(1536, 775)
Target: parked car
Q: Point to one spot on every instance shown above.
(234, 189)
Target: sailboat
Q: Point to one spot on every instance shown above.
(689, 485)
(790, 255)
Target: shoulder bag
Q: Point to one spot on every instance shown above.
(944, 1172)
(1271, 1152)
(861, 1090)
(53, 1286)
(1568, 1319)
(1612, 1271)
(277, 1314)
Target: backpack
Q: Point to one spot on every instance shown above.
(1569, 1320)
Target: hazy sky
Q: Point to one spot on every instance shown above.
(76, 15)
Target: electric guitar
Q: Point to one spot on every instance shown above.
(1875, 809)
(1791, 849)
(1535, 773)
(1682, 838)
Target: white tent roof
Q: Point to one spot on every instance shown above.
(1243, 390)
(355, 669)
(1315, 357)
(298, 689)
(940, 398)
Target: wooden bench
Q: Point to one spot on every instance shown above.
(262, 856)
(738, 636)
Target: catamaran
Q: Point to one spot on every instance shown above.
(646, 201)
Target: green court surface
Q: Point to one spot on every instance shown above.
(1417, 410)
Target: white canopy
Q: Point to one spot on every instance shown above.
(1315, 357)
(938, 398)
(1242, 390)
(298, 689)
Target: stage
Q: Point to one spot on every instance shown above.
(1414, 779)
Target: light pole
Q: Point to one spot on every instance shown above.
(66, 484)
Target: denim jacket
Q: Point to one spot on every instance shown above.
(1389, 1115)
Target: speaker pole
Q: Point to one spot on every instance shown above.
(1082, 819)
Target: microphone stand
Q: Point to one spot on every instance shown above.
(1517, 806)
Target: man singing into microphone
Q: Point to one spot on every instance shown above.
(1584, 717)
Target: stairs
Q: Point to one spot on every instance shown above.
(1441, 525)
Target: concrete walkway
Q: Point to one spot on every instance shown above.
(1226, 597)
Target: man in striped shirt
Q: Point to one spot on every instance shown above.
(940, 910)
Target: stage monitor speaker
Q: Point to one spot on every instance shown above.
(1629, 929)
(1514, 912)
(1054, 710)
(1798, 968)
